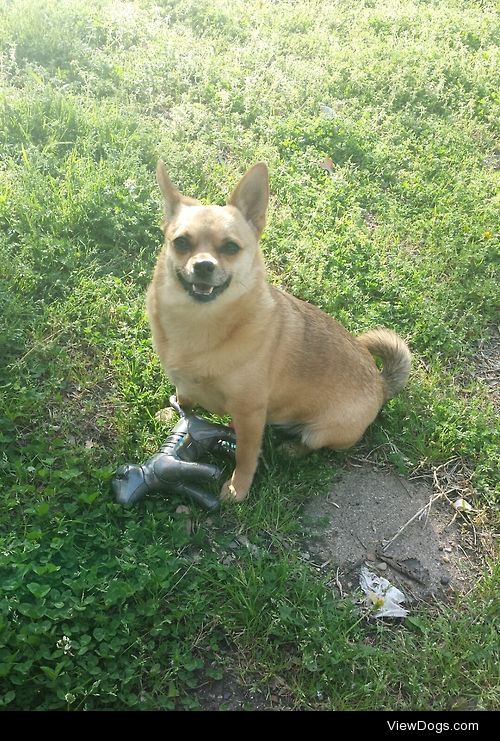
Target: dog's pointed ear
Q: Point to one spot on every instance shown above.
(251, 196)
(171, 196)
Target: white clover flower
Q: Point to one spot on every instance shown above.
(65, 644)
(130, 185)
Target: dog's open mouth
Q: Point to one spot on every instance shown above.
(202, 291)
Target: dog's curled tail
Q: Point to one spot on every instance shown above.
(395, 356)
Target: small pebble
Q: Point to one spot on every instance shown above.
(445, 580)
(381, 566)
(182, 510)
(251, 547)
(165, 415)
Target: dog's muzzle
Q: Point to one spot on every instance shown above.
(199, 285)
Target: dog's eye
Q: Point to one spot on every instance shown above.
(182, 244)
(229, 248)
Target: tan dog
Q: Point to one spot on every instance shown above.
(236, 345)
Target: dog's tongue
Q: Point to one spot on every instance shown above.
(202, 288)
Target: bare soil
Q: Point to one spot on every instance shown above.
(434, 555)
(228, 694)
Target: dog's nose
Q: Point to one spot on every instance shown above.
(204, 268)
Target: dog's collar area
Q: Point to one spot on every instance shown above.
(200, 291)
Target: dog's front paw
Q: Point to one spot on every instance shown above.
(236, 489)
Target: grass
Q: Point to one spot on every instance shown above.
(103, 608)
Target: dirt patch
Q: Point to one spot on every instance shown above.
(351, 526)
(488, 364)
(228, 694)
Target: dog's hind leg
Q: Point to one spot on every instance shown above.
(341, 429)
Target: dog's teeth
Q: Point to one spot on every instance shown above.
(205, 290)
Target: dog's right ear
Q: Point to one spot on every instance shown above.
(171, 196)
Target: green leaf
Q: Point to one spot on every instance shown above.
(7, 698)
(99, 634)
(50, 673)
(42, 509)
(214, 673)
(72, 473)
(53, 673)
(34, 535)
(88, 498)
(38, 590)
(172, 690)
(46, 568)
(415, 621)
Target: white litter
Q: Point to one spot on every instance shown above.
(381, 595)
(462, 505)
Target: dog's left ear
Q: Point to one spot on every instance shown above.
(251, 196)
